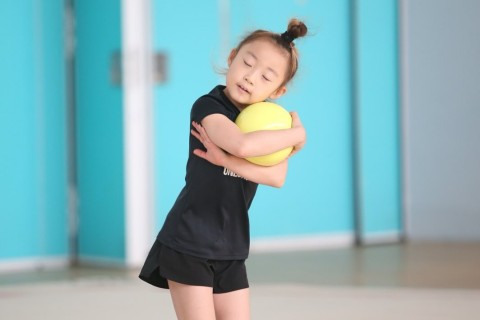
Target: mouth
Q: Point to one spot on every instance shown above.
(244, 89)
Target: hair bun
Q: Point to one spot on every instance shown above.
(296, 29)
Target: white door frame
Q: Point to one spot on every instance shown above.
(137, 83)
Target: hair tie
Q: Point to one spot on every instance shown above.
(287, 37)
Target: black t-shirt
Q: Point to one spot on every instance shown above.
(210, 216)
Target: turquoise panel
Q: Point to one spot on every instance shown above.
(378, 116)
(19, 213)
(51, 126)
(99, 115)
(32, 130)
(317, 197)
(192, 49)
(33, 216)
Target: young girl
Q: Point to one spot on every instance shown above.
(200, 252)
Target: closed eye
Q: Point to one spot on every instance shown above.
(246, 63)
(267, 79)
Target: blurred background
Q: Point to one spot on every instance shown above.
(94, 120)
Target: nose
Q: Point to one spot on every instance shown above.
(247, 78)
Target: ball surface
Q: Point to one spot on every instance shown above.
(265, 116)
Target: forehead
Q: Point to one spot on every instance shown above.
(266, 52)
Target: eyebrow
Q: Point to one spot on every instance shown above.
(270, 69)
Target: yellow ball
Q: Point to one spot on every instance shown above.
(265, 116)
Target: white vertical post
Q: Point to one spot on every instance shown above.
(138, 129)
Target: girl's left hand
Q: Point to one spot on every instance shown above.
(214, 154)
(296, 123)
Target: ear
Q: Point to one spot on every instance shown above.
(278, 93)
(231, 56)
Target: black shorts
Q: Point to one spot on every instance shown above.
(164, 264)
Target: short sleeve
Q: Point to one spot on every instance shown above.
(206, 106)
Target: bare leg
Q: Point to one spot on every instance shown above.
(192, 302)
(234, 305)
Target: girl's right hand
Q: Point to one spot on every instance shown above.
(213, 153)
(296, 123)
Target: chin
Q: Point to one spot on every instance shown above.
(239, 100)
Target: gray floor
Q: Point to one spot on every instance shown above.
(419, 265)
(413, 281)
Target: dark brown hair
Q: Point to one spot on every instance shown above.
(296, 29)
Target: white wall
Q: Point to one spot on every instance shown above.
(441, 100)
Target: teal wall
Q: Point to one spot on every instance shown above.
(346, 92)
(377, 109)
(34, 217)
(99, 121)
(33, 186)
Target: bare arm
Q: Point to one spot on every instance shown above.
(272, 176)
(225, 134)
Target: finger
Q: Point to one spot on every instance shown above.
(199, 128)
(202, 131)
(200, 153)
(204, 135)
(197, 135)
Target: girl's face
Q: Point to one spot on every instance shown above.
(256, 72)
